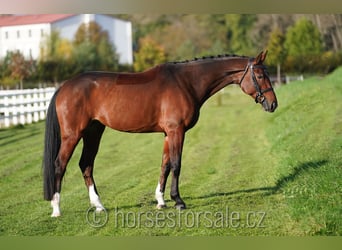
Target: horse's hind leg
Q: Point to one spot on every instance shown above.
(91, 141)
(68, 145)
(165, 171)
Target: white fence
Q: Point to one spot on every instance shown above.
(24, 106)
(289, 79)
(286, 79)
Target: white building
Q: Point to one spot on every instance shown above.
(26, 32)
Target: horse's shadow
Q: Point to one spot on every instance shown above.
(306, 166)
(278, 185)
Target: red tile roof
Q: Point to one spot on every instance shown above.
(31, 19)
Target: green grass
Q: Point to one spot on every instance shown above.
(245, 172)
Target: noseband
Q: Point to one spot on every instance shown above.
(259, 98)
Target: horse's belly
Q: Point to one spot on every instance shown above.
(130, 119)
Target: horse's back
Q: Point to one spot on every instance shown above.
(138, 102)
(117, 100)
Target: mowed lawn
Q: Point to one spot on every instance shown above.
(244, 172)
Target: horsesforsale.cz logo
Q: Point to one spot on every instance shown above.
(181, 219)
(95, 218)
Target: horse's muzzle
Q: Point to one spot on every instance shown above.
(269, 107)
(274, 105)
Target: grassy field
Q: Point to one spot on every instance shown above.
(245, 172)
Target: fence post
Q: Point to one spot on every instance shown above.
(35, 106)
(29, 107)
(13, 110)
(22, 119)
(41, 104)
(6, 112)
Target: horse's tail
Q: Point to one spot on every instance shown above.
(51, 148)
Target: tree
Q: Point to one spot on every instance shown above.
(85, 57)
(93, 49)
(277, 53)
(16, 68)
(149, 54)
(238, 26)
(20, 67)
(90, 32)
(303, 38)
(55, 62)
(90, 50)
(188, 36)
(303, 43)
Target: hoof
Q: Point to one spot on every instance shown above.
(100, 209)
(161, 206)
(180, 206)
(55, 215)
(98, 206)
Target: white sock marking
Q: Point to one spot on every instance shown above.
(160, 197)
(95, 199)
(55, 205)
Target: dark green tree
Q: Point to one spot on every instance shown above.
(303, 44)
(238, 27)
(85, 57)
(303, 38)
(93, 49)
(276, 51)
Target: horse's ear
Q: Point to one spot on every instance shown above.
(261, 57)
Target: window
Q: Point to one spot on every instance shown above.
(30, 33)
(6, 34)
(41, 32)
(18, 34)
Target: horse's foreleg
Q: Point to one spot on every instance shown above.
(165, 170)
(176, 138)
(67, 147)
(91, 141)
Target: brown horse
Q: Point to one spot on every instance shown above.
(166, 98)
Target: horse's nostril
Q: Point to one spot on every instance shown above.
(274, 106)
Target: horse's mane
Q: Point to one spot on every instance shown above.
(197, 59)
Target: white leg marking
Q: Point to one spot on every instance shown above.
(160, 198)
(95, 199)
(55, 205)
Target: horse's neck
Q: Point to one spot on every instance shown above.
(211, 78)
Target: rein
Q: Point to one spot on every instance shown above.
(259, 98)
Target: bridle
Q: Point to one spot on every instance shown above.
(259, 98)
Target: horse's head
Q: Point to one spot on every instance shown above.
(256, 83)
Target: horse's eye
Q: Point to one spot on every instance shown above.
(260, 76)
